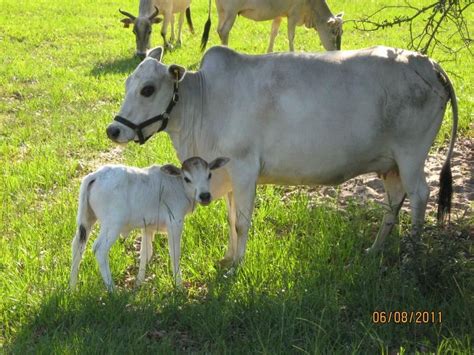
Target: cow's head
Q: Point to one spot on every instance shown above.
(330, 32)
(142, 26)
(148, 93)
(196, 174)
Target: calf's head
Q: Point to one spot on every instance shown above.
(148, 93)
(142, 26)
(196, 174)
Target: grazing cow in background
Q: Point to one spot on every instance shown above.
(147, 16)
(287, 118)
(311, 13)
(124, 198)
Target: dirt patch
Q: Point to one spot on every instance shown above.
(369, 187)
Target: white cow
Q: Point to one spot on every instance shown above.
(287, 118)
(311, 13)
(147, 16)
(125, 198)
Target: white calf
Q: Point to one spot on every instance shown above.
(125, 198)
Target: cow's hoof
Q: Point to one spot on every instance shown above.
(226, 263)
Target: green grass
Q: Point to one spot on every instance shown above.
(305, 285)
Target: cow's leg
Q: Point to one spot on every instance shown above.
(292, 20)
(172, 28)
(107, 237)
(243, 188)
(224, 28)
(180, 26)
(146, 251)
(414, 182)
(394, 197)
(231, 217)
(275, 26)
(167, 18)
(175, 229)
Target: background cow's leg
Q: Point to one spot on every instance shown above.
(180, 26)
(291, 31)
(174, 244)
(231, 218)
(146, 251)
(224, 28)
(394, 197)
(107, 237)
(274, 32)
(244, 197)
(167, 17)
(172, 28)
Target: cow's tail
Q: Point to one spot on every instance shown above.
(189, 20)
(446, 178)
(207, 28)
(85, 221)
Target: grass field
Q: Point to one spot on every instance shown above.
(305, 286)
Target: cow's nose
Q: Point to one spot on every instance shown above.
(113, 132)
(205, 197)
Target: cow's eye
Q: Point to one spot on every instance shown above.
(187, 180)
(209, 177)
(148, 90)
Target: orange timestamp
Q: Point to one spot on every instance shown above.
(407, 317)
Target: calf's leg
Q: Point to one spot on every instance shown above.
(107, 237)
(146, 251)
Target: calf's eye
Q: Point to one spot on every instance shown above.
(187, 180)
(209, 177)
(147, 91)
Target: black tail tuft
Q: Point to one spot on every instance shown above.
(205, 34)
(189, 20)
(445, 193)
(82, 234)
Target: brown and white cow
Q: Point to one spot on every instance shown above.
(311, 13)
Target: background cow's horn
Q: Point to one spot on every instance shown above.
(153, 15)
(127, 14)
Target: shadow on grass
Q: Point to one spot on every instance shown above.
(122, 65)
(323, 305)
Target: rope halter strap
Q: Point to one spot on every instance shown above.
(164, 117)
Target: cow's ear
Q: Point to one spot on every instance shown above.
(340, 15)
(156, 20)
(126, 22)
(177, 70)
(170, 169)
(156, 53)
(218, 163)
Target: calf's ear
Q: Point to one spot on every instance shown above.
(218, 163)
(126, 22)
(177, 70)
(156, 53)
(170, 169)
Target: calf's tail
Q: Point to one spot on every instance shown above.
(446, 178)
(207, 28)
(189, 20)
(85, 221)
